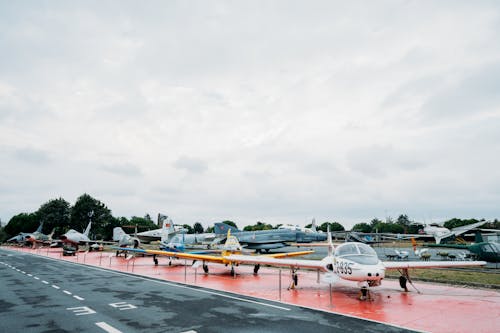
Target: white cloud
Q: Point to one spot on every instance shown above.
(275, 111)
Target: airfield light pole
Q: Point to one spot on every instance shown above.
(279, 286)
(331, 301)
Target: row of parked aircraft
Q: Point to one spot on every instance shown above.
(351, 261)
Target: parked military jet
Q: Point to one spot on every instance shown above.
(156, 234)
(39, 238)
(75, 238)
(182, 240)
(269, 239)
(124, 239)
(441, 233)
(19, 238)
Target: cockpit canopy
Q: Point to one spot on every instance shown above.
(357, 252)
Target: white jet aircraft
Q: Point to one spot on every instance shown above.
(439, 233)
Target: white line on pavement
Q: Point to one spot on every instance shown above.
(108, 328)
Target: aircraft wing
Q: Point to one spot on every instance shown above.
(287, 254)
(177, 255)
(460, 230)
(430, 264)
(273, 261)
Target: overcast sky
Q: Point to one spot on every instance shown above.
(274, 111)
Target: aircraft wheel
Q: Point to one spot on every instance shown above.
(117, 253)
(156, 261)
(205, 269)
(402, 282)
(232, 271)
(295, 278)
(256, 268)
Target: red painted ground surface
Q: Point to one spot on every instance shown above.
(438, 308)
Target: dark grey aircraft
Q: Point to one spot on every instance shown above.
(32, 238)
(20, 238)
(269, 239)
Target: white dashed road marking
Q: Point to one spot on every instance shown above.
(67, 292)
(55, 287)
(79, 298)
(108, 328)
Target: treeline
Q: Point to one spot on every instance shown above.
(60, 216)
(403, 225)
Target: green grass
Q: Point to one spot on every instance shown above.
(453, 276)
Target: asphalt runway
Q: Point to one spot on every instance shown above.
(41, 294)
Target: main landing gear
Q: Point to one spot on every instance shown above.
(205, 268)
(405, 277)
(256, 268)
(295, 279)
(155, 260)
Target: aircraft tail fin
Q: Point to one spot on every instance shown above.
(118, 233)
(330, 242)
(478, 237)
(39, 229)
(414, 244)
(167, 230)
(51, 234)
(87, 230)
(161, 218)
(232, 244)
(222, 228)
(314, 227)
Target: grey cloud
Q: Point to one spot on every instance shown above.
(190, 164)
(125, 169)
(380, 161)
(32, 155)
(474, 94)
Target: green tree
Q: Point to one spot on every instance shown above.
(230, 223)
(189, 228)
(389, 228)
(374, 222)
(403, 220)
(198, 228)
(54, 214)
(334, 226)
(258, 226)
(362, 227)
(88, 209)
(23, 222)
(209, 229)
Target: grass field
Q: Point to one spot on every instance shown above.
(455, 276)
